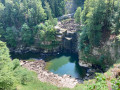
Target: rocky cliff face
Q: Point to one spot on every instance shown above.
(108, 53)
(67, 35)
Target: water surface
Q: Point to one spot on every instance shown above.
(66, 64)
(59, 64)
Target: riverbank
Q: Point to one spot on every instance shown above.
(67, 81)
(46, 76)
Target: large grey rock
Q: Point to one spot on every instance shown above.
(84, 64)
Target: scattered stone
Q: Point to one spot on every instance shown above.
(46, 76)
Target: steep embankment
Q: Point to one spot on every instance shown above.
(106, 81)
(101, 81)
(113, 73)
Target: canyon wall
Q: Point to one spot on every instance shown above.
(107, 53)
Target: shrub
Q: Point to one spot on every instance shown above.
(7, 81)
(16, 63)
(100, 83)
(115, 84)
(23, 75)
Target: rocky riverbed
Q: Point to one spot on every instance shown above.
(46, 76)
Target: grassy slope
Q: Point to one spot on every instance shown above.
(37, 85)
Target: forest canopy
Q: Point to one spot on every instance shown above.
(28, 22)
(99, 19)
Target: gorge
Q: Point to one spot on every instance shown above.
(64, 61)
(59, 44)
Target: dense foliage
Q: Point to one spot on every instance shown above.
(22, 20)
(77, 15)
(11, 73)
(79, 2)
(57, 7)
(99, 19)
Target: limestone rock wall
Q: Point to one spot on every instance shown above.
(67, 35)
(110, 51)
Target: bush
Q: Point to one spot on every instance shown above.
(77, 15)
(23, 75)
(115, 84)
(100, 83)
(16, 63)
(7, 80)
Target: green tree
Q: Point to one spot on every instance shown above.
(11, 73)
(79, 2)
(2, 7)
(48, 10)
(98, 21)
(6, 75)
(115, 18)
(26, 34)
(77, 15)
(57, 7)
(4, 54)
(11, 36)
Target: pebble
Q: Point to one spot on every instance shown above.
(46, 76)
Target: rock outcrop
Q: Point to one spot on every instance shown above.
(84, 64)
(108, 52)
(67, 35)
(66, 16)
(46, 76)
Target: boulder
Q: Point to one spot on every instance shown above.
(84, 64)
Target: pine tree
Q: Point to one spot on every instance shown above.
(26, 34)
(48, 10)
(77, 15)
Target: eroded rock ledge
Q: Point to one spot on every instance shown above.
(84, 64)
(46, 76)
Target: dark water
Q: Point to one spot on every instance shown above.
(66, 64)
(59, 64)
(26, 56)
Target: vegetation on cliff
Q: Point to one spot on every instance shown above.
(100, 22)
